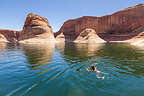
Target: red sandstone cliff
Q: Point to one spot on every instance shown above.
(120, 26)
(122, 22)
(8, 35)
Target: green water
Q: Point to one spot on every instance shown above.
(63, 70)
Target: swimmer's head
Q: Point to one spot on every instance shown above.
(92, 68)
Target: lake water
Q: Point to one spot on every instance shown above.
(64, 70)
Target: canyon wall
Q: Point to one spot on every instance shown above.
(8, 35)
(122, 22)
(120, 26)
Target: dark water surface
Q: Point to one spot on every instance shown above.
(62, 70)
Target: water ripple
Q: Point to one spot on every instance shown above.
(71, 69)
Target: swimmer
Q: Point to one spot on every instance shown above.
(93, 68)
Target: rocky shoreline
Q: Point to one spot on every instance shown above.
(124, 26)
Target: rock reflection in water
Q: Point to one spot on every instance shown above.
(3, 46)
(39, 56)
(81, 57)
(111, 58)
(124, 58)
(78, 52)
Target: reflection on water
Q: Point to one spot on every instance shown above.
(125, 58)
(74, 53)
(2, 46)
(39, 55)
(71, 70)
(81, 56)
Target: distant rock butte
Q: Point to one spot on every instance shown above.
(109, 27)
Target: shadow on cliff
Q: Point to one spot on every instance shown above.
(63, 37)
(112, 35)
(108, 37)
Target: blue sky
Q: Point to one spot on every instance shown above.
(14, 12)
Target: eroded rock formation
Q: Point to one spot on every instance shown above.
(36, 27)
(119, 23)
(89, 36)
(2, 38)
(125, 25)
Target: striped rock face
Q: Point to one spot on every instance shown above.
(8, 35)
(36, 27)
(122, 22)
